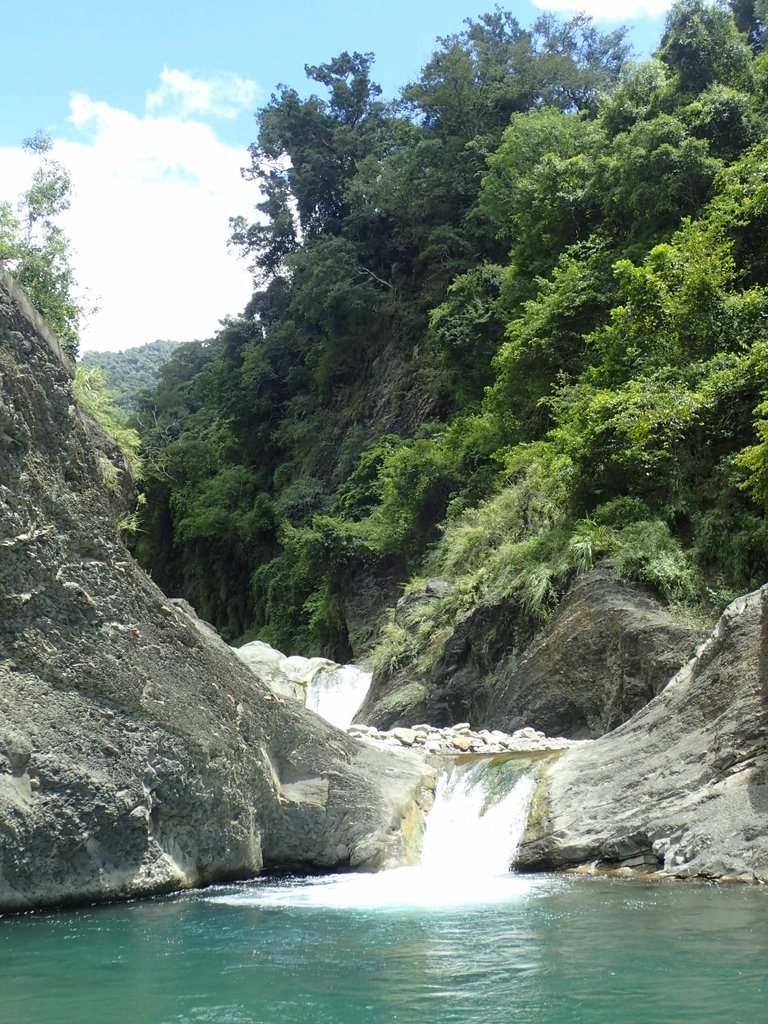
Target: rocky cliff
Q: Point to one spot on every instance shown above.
(609, 649)
(137, 754)
(682, 787)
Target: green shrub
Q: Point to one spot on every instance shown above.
(648, 553)
(92, 394)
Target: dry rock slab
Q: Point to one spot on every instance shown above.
(682, 787)
(137, 753)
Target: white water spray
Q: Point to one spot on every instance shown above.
(336, 695)
(471, 836)
(468, 832)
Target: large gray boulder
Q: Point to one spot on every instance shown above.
(609, 649)
(137, 753)
(682, 787)
(286, 676)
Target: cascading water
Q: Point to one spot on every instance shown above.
(336, 695)
(473, 828)
(471, 835)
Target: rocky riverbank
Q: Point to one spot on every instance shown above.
(682, 787)
(138, 754)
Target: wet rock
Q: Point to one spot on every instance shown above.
(288, 676)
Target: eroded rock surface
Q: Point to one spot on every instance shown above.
(137, 753)
(608, 650)
(683, 786)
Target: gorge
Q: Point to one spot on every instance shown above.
(486, 456)
(120, 707)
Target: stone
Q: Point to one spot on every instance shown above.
(138, 754)
(460, 741)
(286, 676)
(661, 786)
(405, 736)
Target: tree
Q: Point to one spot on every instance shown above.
(702, 45)
(305, 155)
(36, 250)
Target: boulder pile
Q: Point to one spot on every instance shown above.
(460, 739)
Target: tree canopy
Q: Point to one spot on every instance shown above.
(35, 249)
(503, 324)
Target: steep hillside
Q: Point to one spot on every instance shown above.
(505, 327)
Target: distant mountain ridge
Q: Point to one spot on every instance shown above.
(132, 371)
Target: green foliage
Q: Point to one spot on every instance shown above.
(647, 552)
(414, 484)
(131, 372)
(94, 396)
(702, 45)
(505, 328)
(36, 250)
(535, 191)
(590, 540)
(465, 331)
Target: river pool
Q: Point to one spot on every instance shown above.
(344, 949)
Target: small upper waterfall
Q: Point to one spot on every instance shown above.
(337, 694)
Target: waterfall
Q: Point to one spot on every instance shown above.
(471, 835)
(477, 821)
(337, 694)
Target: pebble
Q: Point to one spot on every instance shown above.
(460, 738)
(405, 736)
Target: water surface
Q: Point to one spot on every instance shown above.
(535, 950)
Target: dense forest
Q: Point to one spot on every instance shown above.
(506, 324)
(132, 372)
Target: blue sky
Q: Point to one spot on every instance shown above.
(151, 106)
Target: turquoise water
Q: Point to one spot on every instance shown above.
(537, 950)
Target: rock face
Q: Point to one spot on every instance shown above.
(608, 650)
(137, 753)
(683, 786)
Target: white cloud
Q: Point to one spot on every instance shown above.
(184, 96)
(149, 222)
(608, 10)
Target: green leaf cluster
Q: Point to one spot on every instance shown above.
(35, 249)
